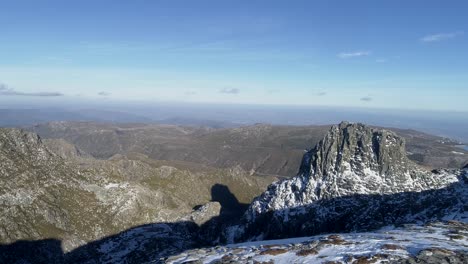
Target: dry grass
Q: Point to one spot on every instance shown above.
(392, 247)
(364, 260)
(334, 240)
(440, 251)
(271, 246)
(227, 257)
(274, 252)
(307, 252)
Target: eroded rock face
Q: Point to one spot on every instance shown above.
(358, 172)
(356, 147)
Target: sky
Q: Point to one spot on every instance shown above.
(371, 54)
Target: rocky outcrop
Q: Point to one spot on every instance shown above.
(356, 177)
(204, 213)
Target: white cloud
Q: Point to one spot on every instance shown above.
(272, 91)
(441, 36)
(190, 93)
(381, 60)
(5, 90)
(230, 91)
(366, 99)
(348, 55)
(103, 93)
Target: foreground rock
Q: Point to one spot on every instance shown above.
(433, 243)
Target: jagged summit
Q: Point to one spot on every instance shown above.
(350, 146)
(352, 160)
(355, 158)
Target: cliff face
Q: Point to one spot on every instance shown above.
(354, 168)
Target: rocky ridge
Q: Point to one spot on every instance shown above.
(42, 196)
(72, 197)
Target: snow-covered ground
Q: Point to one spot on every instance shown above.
(385, 245)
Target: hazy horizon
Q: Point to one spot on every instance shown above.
(441, 123)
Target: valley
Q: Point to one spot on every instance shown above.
(260, 149)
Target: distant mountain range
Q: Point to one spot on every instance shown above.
(445, 124)
(260, 149)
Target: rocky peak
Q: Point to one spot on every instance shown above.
(355, 147)
(19, 143)
(350, 159)
(356, 178)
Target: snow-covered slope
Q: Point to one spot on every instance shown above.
(356, 178)
(433, 243)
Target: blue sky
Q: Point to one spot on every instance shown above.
(385, 54)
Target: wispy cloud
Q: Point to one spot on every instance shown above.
(272, 91)
(190, 93)
(366, 99)
(441, 36)
(7, 91)
(348, 55)
(322, 93)
(381, 60)
(230, 90)
(103, 93)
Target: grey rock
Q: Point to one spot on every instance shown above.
(355, 178)
(205, 213)
(438, 256)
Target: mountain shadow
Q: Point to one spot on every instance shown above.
(157, 241)
(39, 251)
(144, 243)
(230, 205)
